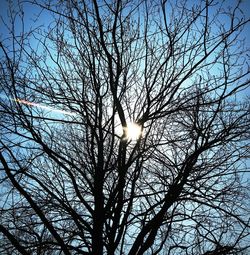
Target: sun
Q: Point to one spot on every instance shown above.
(133, 131)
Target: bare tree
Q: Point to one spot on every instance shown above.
(124, 129)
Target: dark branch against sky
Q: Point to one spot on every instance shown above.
(124, 127)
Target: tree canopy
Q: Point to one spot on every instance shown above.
(124, 128)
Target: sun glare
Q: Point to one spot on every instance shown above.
(133, 131)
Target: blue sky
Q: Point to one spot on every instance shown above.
(31, 21)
